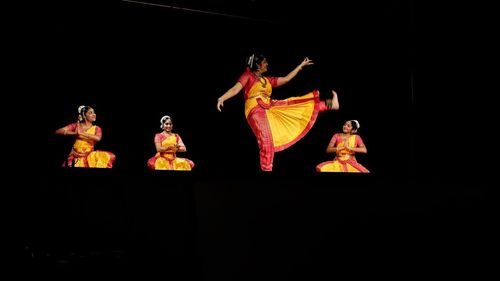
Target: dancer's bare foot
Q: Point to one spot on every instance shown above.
(333, 103)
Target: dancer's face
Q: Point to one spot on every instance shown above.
(263, 66)
(167, 126)
(90, 115)
(347, 128)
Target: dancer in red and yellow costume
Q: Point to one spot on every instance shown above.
(86, 135)
(167, 145)
(277, 124)
(345, 145)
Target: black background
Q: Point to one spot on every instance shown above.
(423, 208)
(137, 62)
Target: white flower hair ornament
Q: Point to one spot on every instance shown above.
(250, 60)
(357, 124)
(163, 119)
(80, 112)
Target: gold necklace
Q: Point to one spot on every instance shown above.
(261, 79)
(85, 127)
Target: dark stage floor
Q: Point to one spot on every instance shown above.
(181, 226)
